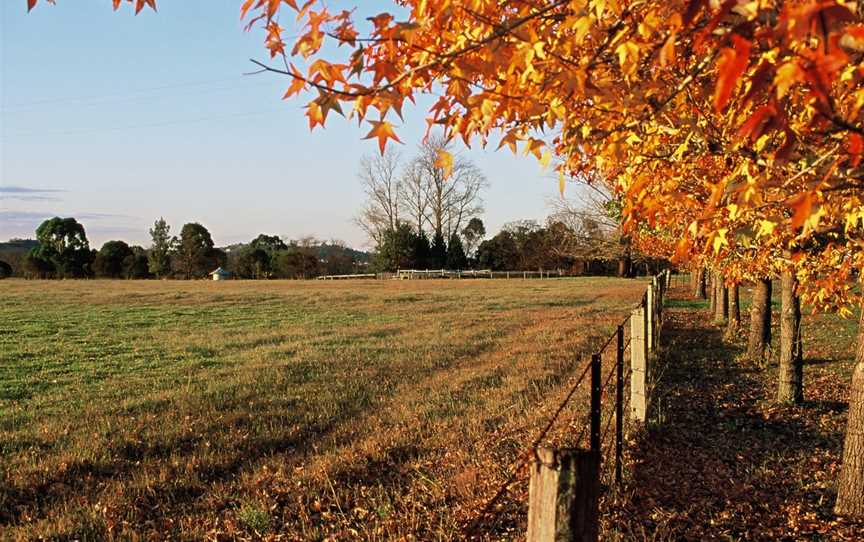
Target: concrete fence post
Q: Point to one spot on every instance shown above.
(563, 496)
(651, 308)
(638, 365)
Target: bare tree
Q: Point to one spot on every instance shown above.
(595, 218)
(450, 202)
(383, 186)
(588, 233)
(414, 199)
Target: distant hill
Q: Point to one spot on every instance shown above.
(327, 251)
(18, 245)
(14, 251)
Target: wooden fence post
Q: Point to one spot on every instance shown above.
(563, 496)
(638, 365)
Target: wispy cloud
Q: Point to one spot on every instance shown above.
(23, 193)
(24, 223)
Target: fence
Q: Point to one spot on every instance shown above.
(348, 277)
(564, 487)
(475, 273)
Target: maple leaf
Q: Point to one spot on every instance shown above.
(444, 161)
(383, 130)
(803, 207)
(733, 63)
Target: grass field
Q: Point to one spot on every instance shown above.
(295, 410)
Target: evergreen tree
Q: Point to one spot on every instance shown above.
(159, 257)
(63, 248)
(456, 258)
(396, 249)
(438, 252)
(195, 254)
(422, 250)
(111, 260)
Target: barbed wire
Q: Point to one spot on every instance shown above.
(470, 527)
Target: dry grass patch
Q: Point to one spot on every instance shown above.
(283, 410)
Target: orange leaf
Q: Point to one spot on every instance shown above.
(855, 145)
(383, 130)
(31, 4)
(733, 63)
(758, 122)
(803, 206)
(667, 53)
(297, 85)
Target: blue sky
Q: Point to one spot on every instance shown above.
(117, 120)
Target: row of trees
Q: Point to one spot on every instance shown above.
(62, 250)
(269, 257)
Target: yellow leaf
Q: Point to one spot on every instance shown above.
(583, 25)
(628, 57)
(766, 227)
(720, 239)
(445, 162)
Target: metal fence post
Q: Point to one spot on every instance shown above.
(595, 401)
(619, 404)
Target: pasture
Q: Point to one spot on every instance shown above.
(296, 410)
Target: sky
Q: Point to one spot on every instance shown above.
(118, 119)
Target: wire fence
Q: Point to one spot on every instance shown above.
(608, 418)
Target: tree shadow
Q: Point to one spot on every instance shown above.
(714, 461)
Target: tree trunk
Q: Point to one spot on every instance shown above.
(850, 490)
(790, 387)
(721, 303)
(734, 321)
(760, 321)
(700, 284)
(712, 288)
(624, 261)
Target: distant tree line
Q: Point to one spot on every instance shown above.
(61, 250)
(269, 257)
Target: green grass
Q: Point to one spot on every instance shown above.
(185, 409)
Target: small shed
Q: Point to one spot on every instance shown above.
(220, 274)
